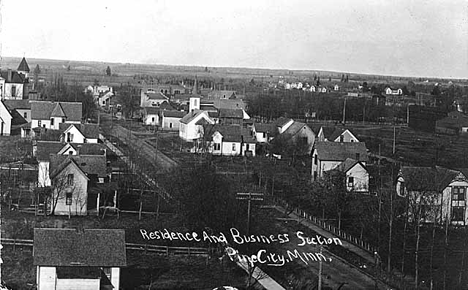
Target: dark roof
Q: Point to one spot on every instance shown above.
(17, 104)
(57, 111)
(340, 151)
(229, 103)
(231, 113)
(16, 78)
(223, 94)
(71, 247)
(294, 128)
(90, 131)
(427, 178)
(281, 121)
(88, 148)
(48, 134)
(230, 133)
(45, 148)
(335, 134)
(347, 164)
(152, 110)
(42, 110)
(89, 164)
(328, 131)
(264, 127)
(173, 114)
(23, 66)
(156, 96)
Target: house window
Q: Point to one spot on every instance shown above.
(357, 156)
(39, 123)
(13, 91)
(234, 147)
(458, 193)
(70, 179)
(152, 119)
(315, 159)
(70, 152)
(68, 200)
(264, 134)
(458, 213)
(351, 181)
(25, 115)
(195, 102)
(51, 121)
(170, 125)
(217, 146)
(63, 120)
(107, 271)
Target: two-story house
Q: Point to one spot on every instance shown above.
(328, 155)
(78, 259)
(334, 134)
(435, 194)
(14, 84)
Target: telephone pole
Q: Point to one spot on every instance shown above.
(249, 197)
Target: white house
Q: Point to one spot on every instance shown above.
(357, 176)
(50, 115)
(328, 155)
(333, 134)
(224, 139)
(263, 132)
(395, 92)
(282, 124)
(336, 87)
(441, 192)
(78, 259)
(71, 177)
(80, 133)
(151, 98)
(104, 99)
(42, 151)
(171, 119)
(152, 116)
(14, 84)
(5, 120)
(191, 125)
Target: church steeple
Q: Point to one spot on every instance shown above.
(23, 67)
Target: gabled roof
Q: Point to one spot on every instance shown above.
(90, 131)
(294, 128)
(17, 104)
(89, 164)
(348, 164)
(23, 66)
(152, 110)
(173, 114)
(264, 127)
(327, 131)
(230, 133)
(231, 113)
(16, 78)
(57, 111)
(229, 103)
(42, 110)
(191, 116)
(6, 109)
(281, 121)
(156, 96)
(45, 148)
(71, 247)
(340, 151)
(427, 178)
(84, 149)
(222, 94)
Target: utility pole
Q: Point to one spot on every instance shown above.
(394, 138)
(249, 197)
(320, 271)
(344, 112)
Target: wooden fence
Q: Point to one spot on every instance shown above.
(328, 227)
(160, 250)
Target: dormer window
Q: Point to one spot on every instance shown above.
(51, 121)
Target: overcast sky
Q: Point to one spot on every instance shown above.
(395, 37)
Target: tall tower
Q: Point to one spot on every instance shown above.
(195, 87)
(23, 67)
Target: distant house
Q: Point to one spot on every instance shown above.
(263, 132)
(191, 125)
(150, 98)
(80, 133)
(71, 178)
(328, 155)
(232, 116)
(282, 124)
(222, 94)
(5, 120)
(23, 107)
(336, 87)
(229, 140)
(151, 116)
(104, 99)
(42, 151)
(357, 176)
(392, 91)
(333, 134)
(298, 134)
(171, 119)
(14, 84)
(456, 123)
(50, 115)
(84, 259)
(441, 193)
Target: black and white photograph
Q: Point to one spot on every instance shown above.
(234, 145)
